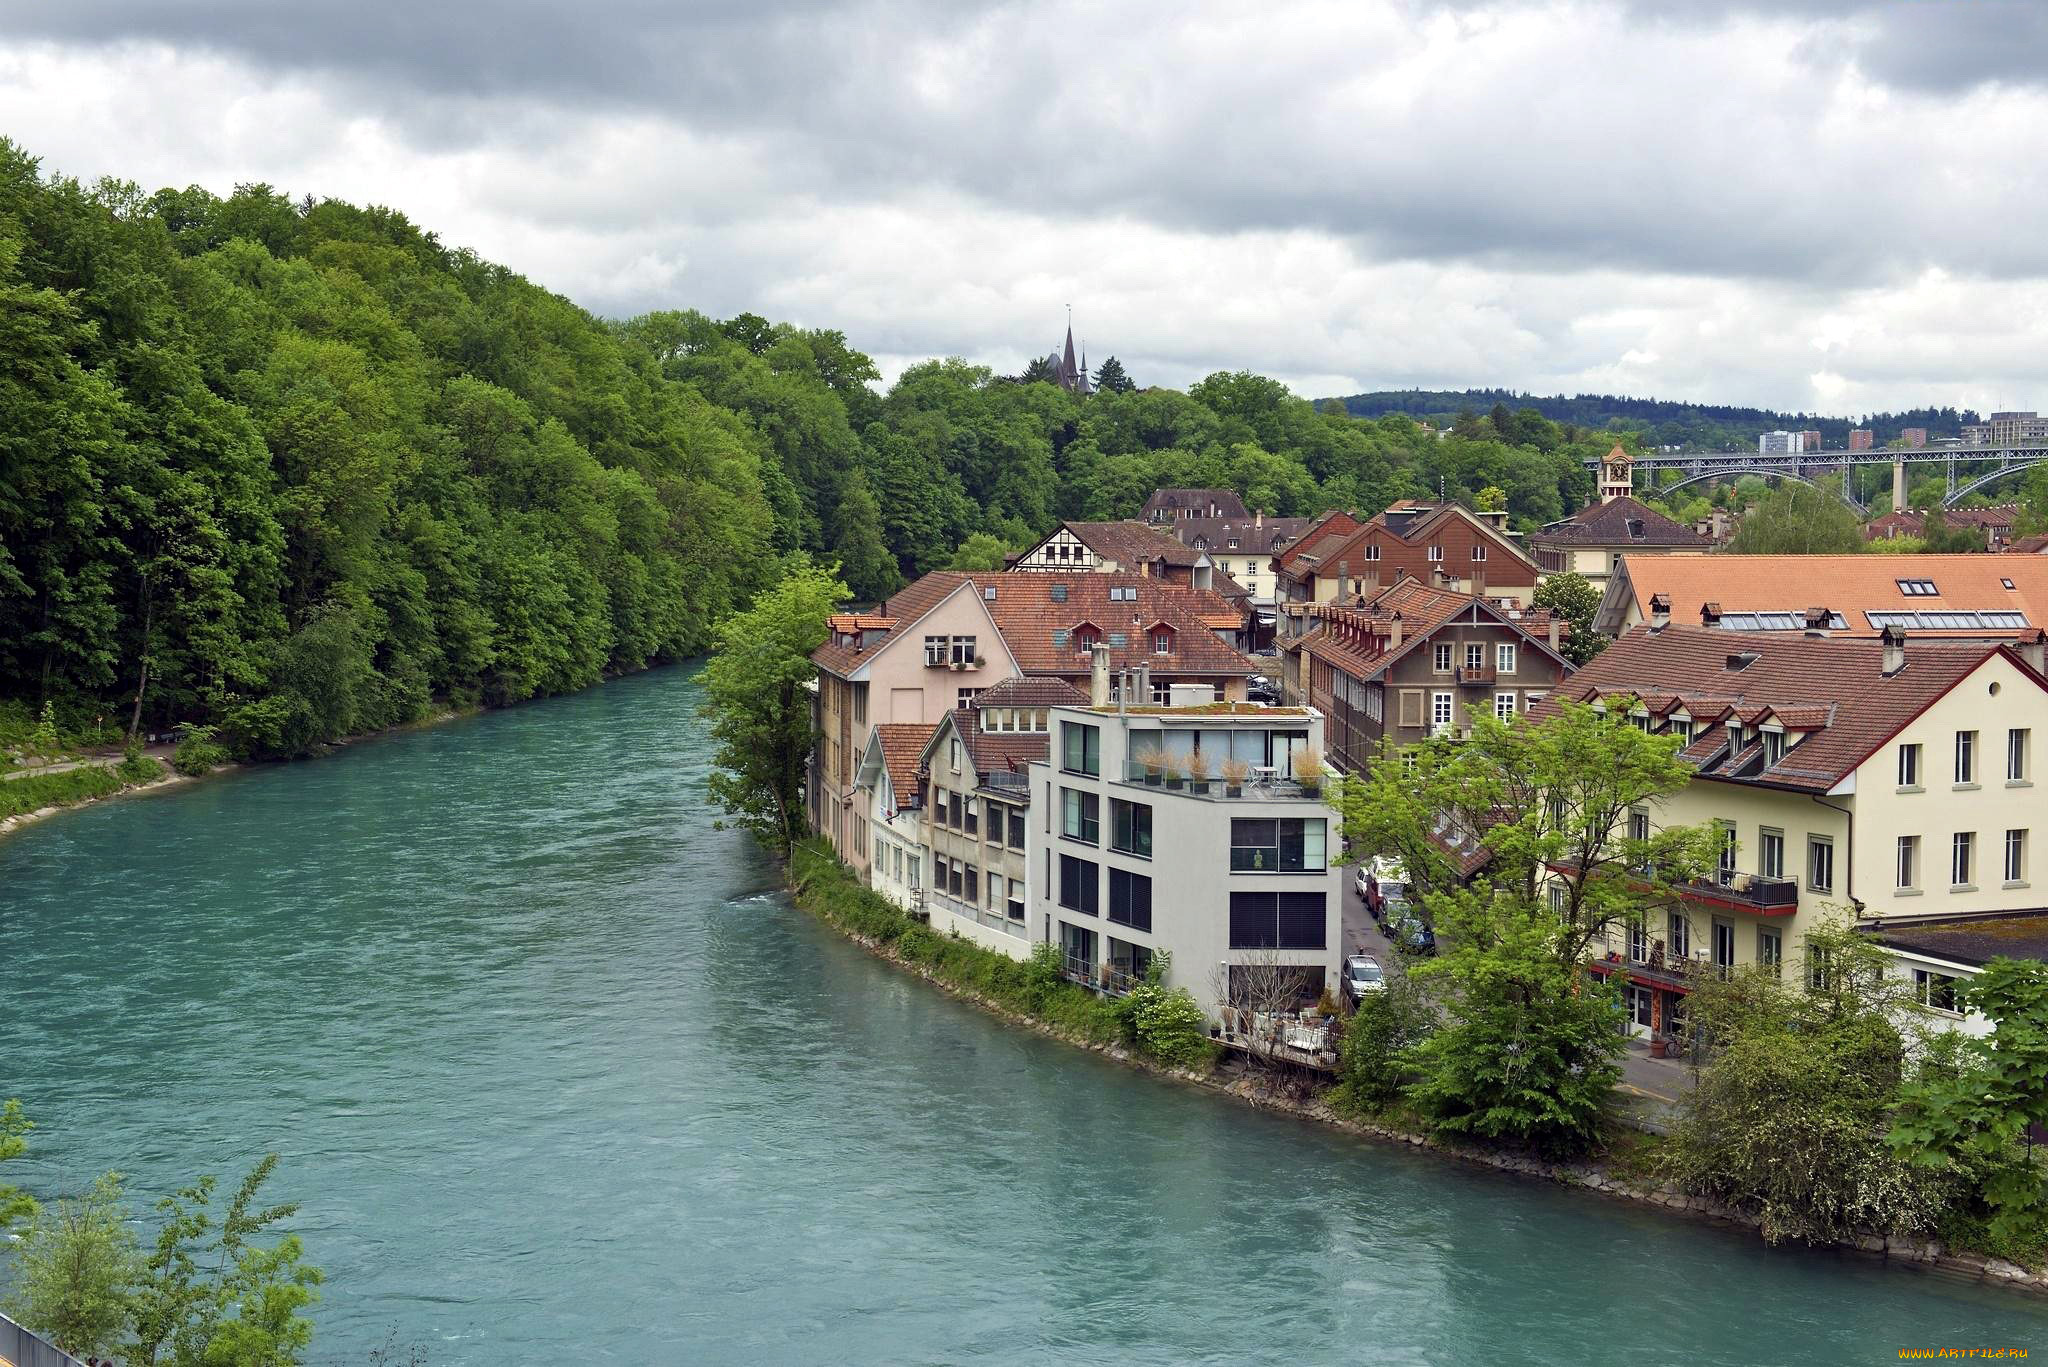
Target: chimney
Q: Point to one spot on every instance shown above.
(1144, 684)
(1369, 584)
(1660, 611)
(1259, 518)
(1394, 633)
(2033, 647)
(1343, 580)
(1710, 614)
(1817, 620)
(1479, 580)
(1098, 676)
(1894, 639)
(1553, 629)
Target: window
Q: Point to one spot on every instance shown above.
(994, 812)
(1909, 861)
(1162, 643)
(1016, 841)
(953, 755)
(1909, 766)
(964, 697)
(1638, 825)
(1966, 756)
(1130, 827)
(1080, 748)
(1479, 552)
(1774, 746)
(1287, 845)
(1443, 657)
(963, 650)
(1817, 968)
(1770, 853)
(1918, 588)
(1078, 885)
(1820, 863)
(1079, 816)
(881, 855)
(1058, 593)
(934, 650)
(2016, 754)
(1439, 712)
(1277, 920)
(1680, 941)
(1638, 943)
(860, 703)
(1125, 593)
(1936, 991)
(1962, 859)
(957, 815)
(1015, 908)
(1725, 830)
(1504, 706)
(1475, 657)
(1770, 948)
(1130, 899)
(2015, 856)
(971, 893)
(1372, 552)
(1436, 553)
(1504, 657)
(1724, 944)
(916, 870)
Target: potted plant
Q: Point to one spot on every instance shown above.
(1155, 766)
(980, 661)
(1235, 772)
(1174, 773)
(1198, 771)
(1659, 1046)
(1308, 772)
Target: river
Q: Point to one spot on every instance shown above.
(557, 1075)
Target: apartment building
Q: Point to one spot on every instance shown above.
(1888, 781)
(1592, 541)
(1167, 506)
(978, 801)
(1141, 845)
(1445, 545)
(888, 776)
(1780, 443)
(1413, 661)
(1119, 547)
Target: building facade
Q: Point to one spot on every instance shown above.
(1235, 874)
(889, 775)
(1592, 541)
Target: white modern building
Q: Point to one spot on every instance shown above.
(1780, 443)
(1183, 830)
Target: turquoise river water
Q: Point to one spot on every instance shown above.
(559, 1076)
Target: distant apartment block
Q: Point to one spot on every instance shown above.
(2010, 429)
(1862, 439)
(1780, 443)
(1809, 440)
(1914, 437)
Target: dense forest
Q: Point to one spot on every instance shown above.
(1661, 422)
(296, 470)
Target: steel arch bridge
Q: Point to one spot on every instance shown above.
(1766, 472)
(1806, 467)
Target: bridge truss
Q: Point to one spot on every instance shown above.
(1810, 467)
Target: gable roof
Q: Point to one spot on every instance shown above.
(1335, 523)
(1832, 688)
(1253, 535)
(1030, 690)
(1356, 639)
(1853, 586)
(903, 744)
(987, 752)
(1028, 615)
(1196, 502)
(1132, 544)
(1624, 521)
(896, 614)
(1410, 523)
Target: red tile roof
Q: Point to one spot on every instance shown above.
(1355, 638)
(1335, 523)
(1622, 521)
(902, 746)
(1028, 690)
(1851, 585)
(1132, 544)
(903, 610)
(1030, 615)
(1836, 682)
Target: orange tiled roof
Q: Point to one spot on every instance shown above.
(1038, 613)
(1852, 585)
(902, 610)
(902, 746)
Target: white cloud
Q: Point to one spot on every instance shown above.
(1712, 205)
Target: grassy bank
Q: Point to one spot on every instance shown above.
(1160, 1025)
(23, 795)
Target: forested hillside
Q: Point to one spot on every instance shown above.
(297, 470)
(1661, 422)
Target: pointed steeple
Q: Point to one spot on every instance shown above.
(1067, 371)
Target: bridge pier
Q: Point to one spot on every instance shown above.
(1898, 486)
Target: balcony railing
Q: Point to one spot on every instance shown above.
(982, 916)
(1104, 978)
(1475, 674)
(1007, 780)
(1746, 891)
(1263, 785)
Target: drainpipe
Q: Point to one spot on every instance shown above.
(1849, 877)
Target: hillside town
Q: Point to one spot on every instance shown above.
(1127, 744)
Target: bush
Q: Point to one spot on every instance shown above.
(137, 767)
(1171, 1026)
(58, 790)
(1372, 1062)
(197, 751)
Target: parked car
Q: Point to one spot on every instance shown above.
(1411, 934)
(1259, 688)
(1380, 887)
(1363, 974)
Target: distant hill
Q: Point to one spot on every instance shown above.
(1662, 422)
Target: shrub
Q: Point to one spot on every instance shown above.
(138, 767)
(58, 790)
(197, 751)
(1171, 1026)
(1372, 1062)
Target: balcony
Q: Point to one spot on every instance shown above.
(1475, 676)
(1263, 784)
(982, 916)
(1744, 892)
(1107, 979)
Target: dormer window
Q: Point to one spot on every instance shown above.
(1918, 588)
(1162, 640)
(1086, 639)
(1059, 593)
(1774, 746)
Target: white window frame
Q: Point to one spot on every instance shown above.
(1906, 864)
(1442, 657)
(1909, 766)
(2015, 855)
(1443, 712)
(1962, 859)
(1436, 554)
(1504, 706)
(1504, 658)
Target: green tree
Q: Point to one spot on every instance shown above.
(1799, 519)
(1111, 379)
(1971, 1119)
(1789, 1117)
(758, 702)
(1941, 539)
(1491, 499)
(1374, 1062)
(77, 1270)
(15, 1204)
(868, 567)
(209, 1295)
(980, 552)
(1572, 597)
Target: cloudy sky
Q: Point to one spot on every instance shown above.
(1830, 206)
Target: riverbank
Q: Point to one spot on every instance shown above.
(823, 886)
